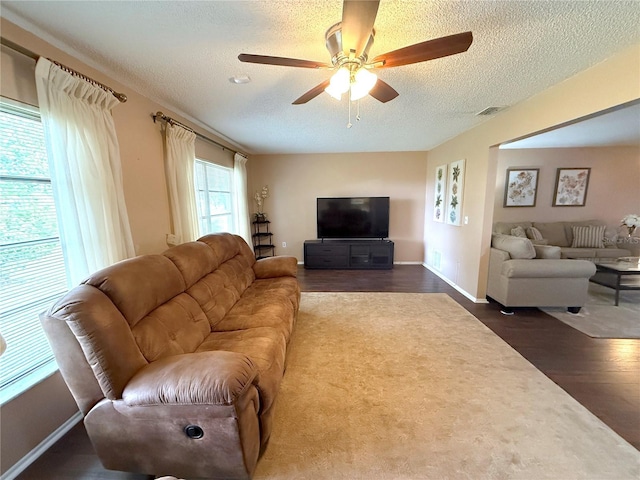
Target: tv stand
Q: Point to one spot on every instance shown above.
(348, 254)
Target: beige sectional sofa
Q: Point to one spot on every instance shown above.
(561, 234)
(525, 275)
(545, 264)
(175, 360)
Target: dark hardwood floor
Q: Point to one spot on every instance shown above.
(601, 374)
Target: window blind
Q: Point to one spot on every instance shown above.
(32, 271)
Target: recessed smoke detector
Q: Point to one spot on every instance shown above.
(240, 79)
(490, 111)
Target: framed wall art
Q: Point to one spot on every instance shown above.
(455, 190)
(571, 187)
(521, 187)
(439, 198)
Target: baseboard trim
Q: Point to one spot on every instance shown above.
(457, 287)
(42, 447)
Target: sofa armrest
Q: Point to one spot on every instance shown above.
(280, 266)
(211, 378)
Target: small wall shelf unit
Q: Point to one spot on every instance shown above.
(262, 239)
(348, 254)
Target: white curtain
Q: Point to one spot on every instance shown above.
(180, 159)
(241, 197)
(84, 163)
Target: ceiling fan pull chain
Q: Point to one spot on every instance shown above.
(358, 112)
(349, 125)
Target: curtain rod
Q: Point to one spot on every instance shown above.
(161, 116)
(28, 53)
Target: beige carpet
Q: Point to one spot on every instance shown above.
(411, 386)
(600, 318)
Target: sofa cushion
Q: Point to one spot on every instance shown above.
(176, 327)
(139, 275)
(612, 252)
(547, 268)
(517, 247)
(193, 259)
(266, 347)
(554, 232)
(568, 252)
(534, 234)
(588, 236)
(547, 251)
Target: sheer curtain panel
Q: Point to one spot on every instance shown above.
(241, 197)
(180, 159)
(85, 169)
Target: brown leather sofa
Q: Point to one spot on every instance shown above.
(175, 360)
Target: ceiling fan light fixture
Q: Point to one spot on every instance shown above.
(340, 80)
(363, 82)
(334, 92)
(339, 83)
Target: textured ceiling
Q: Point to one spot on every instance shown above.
(181, 54)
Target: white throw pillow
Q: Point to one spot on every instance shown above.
(534, 234)
(518, 232)
(517, 247)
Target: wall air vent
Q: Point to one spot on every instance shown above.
(490, 111)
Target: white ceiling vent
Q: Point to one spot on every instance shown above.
(490, 110)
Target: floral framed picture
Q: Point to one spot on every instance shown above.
(439, 198)
(455, 192)
(571, 187)
(521, 187)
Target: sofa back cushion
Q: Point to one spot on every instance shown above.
(218, 292)
(138, 285)
(554, 232)
(517, 247)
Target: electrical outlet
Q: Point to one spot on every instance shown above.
(284, 244)
(466, 220)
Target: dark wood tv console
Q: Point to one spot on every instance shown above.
(348, 254)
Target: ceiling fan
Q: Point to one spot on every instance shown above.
(349, 42)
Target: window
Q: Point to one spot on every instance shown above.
(214, 197)
(32, 271)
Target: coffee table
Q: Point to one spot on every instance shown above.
(619, 274)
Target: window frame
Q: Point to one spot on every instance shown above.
(207, 216)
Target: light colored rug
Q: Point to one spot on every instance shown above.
(600, 318)
(411, 386)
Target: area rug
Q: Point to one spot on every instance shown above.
(411, 386)
(600, 318)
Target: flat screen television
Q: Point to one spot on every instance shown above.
(353, 217)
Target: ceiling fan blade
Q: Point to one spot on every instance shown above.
(429, 50)
(358, 17)
(383, 92)
(283, 61)
(311, 94)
